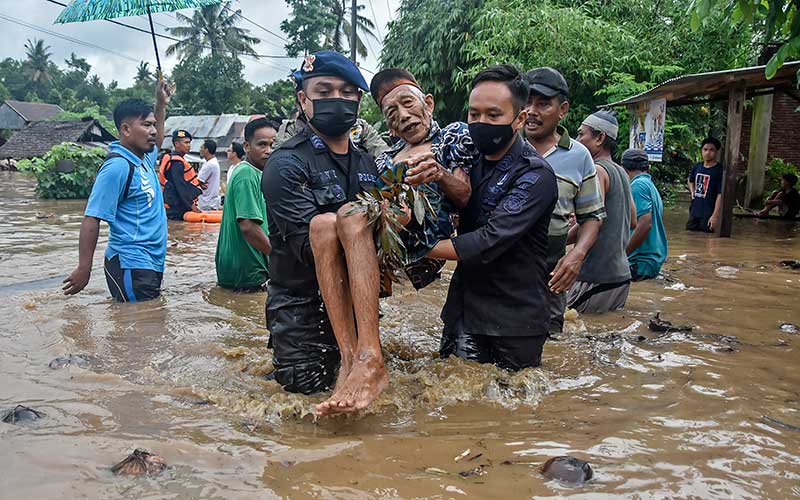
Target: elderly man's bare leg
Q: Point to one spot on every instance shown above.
(335, 288)
(368, 376)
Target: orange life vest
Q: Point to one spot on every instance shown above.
(188, 172)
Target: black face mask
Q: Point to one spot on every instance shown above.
(334, 117)
(490, 138)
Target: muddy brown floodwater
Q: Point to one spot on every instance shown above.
(657, 415)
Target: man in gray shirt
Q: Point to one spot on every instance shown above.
(604, 278)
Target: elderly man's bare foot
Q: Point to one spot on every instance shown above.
(367, 380)
(324, 409)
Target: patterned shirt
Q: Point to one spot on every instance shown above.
(453, 148)
(578, 186)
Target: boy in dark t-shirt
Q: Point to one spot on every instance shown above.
(705, 184)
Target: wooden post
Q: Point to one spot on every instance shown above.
(759, 143)
(733, 140)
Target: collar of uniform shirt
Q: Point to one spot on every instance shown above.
(563, 142)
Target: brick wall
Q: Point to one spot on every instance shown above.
(784, 134)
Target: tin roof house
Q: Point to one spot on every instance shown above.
(223, 129)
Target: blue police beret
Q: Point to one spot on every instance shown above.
(329, 63)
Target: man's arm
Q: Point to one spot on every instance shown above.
(290, 203)
(531, 197)
(163, 94)
(712, 221)
(605, 184)
(568, 267)
(640, 233)
(589, 214)
(254, 235)
(455, 185)
(633, 213)
(87, 243)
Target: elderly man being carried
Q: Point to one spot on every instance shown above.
(344, 243)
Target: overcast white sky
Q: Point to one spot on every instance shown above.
(138, 46)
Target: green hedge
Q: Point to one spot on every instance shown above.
(76, 183)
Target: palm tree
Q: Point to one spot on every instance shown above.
(213, 27)
(40, 70)
(339, 10)
(143, 75)
(78, 64)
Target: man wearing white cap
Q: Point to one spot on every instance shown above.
(605, 277)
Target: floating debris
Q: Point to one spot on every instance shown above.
(791, 264)
(22, 414)
(435, 470)
(661, 325)
(726, 272)
(463, 454)
(775, 421)
(140, 463)
(476, 472)
(78, 360)
(569, 470)
(789, 328)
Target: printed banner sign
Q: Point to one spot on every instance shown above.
(647, 127)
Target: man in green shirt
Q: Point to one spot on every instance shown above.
(243, 244)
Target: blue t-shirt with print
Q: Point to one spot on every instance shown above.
(137, 223)
(652, 253)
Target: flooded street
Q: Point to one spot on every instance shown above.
(658, 415)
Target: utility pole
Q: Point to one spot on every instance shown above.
(353, 19)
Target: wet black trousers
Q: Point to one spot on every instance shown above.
(509, 353)
(306, 356)
(131, 285)
(698, 224)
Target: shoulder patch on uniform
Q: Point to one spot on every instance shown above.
(515, 201)
(317, 142)
(528, 179)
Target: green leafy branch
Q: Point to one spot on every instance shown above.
(386, 208)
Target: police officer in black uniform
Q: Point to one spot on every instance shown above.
(496, 310)
(315, 172)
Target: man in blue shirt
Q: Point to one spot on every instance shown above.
(127, 196)
(647, 248)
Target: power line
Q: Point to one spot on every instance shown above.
(64, 37)
(263, 28)
(388, 8)
(375, 18)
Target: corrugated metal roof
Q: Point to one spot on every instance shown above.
(715, 84)
(34, 111)
(222, 128)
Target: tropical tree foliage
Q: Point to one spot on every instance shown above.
(143, 75)
(428, 38)
(213, 26)
(227, 92)
(325, 24)
(60, 185)
(773, 20)
(606, 49)
(275, 100)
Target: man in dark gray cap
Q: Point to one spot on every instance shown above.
(604, 279)
(578, 186)
(647, 248)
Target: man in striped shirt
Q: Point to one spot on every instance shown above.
(578, 187)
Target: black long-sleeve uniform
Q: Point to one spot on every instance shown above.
(499, 287)
(303, 178)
